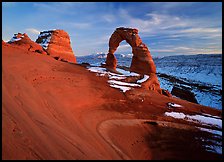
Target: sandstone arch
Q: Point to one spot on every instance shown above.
(142, 61)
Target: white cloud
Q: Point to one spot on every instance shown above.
(170, 25)
(152, 23)
(80, 25)
(32, 31)
(188, 50)
(76, 25)
(109, 18)
(201, 30)
(124, 48)
(162, 50)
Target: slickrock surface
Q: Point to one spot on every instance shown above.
(57, 110)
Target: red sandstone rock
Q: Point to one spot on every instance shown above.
(4, 43)
(23, 41)
(152, 83)
(57, 44)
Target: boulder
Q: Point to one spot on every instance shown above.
(57, 44)
(184, 93)
(23, 41)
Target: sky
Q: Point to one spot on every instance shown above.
(167, 28)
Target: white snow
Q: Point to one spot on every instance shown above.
(123, 88)
(146, 77)
(175, 115)
(196, 118)
(214, 145)
(45, 42)
(174, 105)
(97, 70)
(43, 34)
(207, 120)
(123, 83)
(117, 77)
(113, 78)
(215, 132)
(15, 39)
(127, 73)
(211, 116)
(215, 148)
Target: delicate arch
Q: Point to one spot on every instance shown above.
(142, 61)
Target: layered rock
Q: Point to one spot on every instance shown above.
(23, 41)
(142, 61)
(57, 44)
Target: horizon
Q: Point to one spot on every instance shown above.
(167, 28)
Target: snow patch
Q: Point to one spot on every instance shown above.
(127, 73)
(45, 41)
(113, 78)
(196, 118)
(15, 39)
(215, 132)
(122, 88)
(123, 83)
(146, 77)
(117, 77)
(214, 145)
(97, 70)
(170, 104)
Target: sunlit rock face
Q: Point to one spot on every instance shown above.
(57, 44)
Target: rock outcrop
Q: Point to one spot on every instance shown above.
(23, 41)
(57, 44)
(184, 93)
(142, 61)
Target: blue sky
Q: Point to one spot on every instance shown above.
(167, 28)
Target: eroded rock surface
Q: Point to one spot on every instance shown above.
(57, 44)
(23, 41)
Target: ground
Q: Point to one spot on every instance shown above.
(59, 110)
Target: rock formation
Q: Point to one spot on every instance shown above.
(142, 61)
(184, 93)
(23, 41)
(57, 44)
